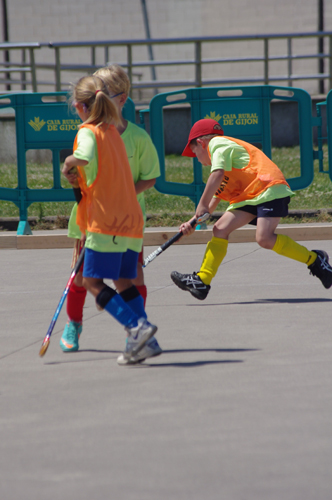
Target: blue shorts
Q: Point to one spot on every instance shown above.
(110, 265)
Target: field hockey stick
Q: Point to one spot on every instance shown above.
(46, 341)
(172, 240)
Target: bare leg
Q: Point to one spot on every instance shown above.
(229, 222)
(122, 284)
(139, 280)
(78, 280)
(265, 232)
(93, 285)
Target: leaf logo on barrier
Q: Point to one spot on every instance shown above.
(213, 116)
(37, 124)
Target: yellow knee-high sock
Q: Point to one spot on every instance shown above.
(289, 248)
(215, 251)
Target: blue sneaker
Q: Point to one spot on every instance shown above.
(70, 336)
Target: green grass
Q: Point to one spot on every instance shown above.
(169, 210)
(317, 196)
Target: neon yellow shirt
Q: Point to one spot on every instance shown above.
(144, 164)
(227, 154)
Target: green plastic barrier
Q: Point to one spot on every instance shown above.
(319, 154)
(244, 113)
(43, 121)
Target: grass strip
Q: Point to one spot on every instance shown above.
(313, 204)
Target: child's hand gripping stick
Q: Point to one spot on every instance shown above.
(174, 238)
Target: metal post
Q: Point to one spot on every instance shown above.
(198, 64)
(5, 37)
(148, 36)
(57, 70)
(321, 44)
(130, 68)
(290, 62)
(330, 62)
(23, 74)
(106, 55)
(93, 56)
(266, 61)
(33, 70)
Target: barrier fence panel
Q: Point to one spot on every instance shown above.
(319, 154)
(43, 121)
(329, 129)
(243, 113)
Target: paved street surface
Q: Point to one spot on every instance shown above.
(238, 407)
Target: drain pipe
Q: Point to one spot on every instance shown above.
(147, 34)
(321, 44)
(5, 36)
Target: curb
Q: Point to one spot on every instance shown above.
(158, 236)
(61, 222)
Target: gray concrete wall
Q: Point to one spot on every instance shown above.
(117, 20)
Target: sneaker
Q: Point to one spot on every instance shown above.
(70, 336)
(321, 268)
(150, 350)
(192, 283)
(138, 337)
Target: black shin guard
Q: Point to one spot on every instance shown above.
(104, 297)
(130, 294)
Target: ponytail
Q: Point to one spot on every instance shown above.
(92, 91)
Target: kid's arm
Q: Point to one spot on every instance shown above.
(213, 204)
(207, 203)
(211, 187)
(83, 239)
(70, 172)
(142, 185)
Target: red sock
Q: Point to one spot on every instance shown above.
(143, 291)
(75, 302)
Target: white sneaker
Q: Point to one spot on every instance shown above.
(151, 349)
(138, 337)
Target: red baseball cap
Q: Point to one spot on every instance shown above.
(206, 126)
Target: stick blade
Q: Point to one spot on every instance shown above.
(44, 347)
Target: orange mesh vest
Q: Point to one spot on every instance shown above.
(250, 181)
(109, 205)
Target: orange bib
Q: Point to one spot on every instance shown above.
(109, 205)
(246, 183)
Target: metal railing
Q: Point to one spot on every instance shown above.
(23, 67)
(260, 53)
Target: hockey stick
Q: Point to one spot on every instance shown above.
(172, 240)
(46, 341)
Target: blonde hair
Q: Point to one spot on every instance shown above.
(92, 92)
(115, 78)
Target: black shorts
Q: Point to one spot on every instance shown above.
(274, 208)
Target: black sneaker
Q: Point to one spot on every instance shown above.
(192, 283)
(321, 268)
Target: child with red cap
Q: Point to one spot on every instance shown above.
(258, 194)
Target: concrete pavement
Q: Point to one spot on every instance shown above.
(238, 406)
